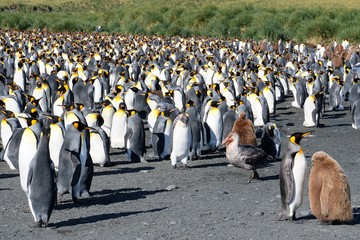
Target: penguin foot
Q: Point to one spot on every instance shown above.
(85, 194)
(173, 166)
(282, 216)
(254, 175)
(143, 160)
(37, 224)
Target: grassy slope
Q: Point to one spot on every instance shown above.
(304, 20)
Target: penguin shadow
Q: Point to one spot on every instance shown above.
(107, 197)
(334, 115)
(209, 164)
(287, 113)
(122, 171)
(282, 108)
(355, 221)
(117, 152)
(335, 125)
(6, 175)
(98, 218)
(356, 216)
(269, 178)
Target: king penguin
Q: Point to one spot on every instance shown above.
(26, 151)
(271, 140)
(99, 147)
(135, 138)
(312, 110)
(161, 136)
(292, 177)
(355, 114)
(181, 142)
(118, 127)
(213, 125)
(196, 130)
(76, 168)
(41, 185)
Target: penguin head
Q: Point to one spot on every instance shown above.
(190, 103)
(132, 112)
(269, 129)
(122, 106)
(7, 113)
(30, 121)
(214, 104)
(80, 126)
(318, 157)
(296, 137)
(2, 104)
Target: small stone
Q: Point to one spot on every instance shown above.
(172, 222)
(171, 187)
(258, 214)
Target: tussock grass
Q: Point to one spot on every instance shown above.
(305, 20)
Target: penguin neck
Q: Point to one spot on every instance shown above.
(293, 147)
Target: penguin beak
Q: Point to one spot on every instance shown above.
(305, 134)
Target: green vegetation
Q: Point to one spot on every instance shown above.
(258, 19)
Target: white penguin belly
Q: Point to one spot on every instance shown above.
(299, 172)
(6, 132)
(97, 151)
(270, 99)
(107, 114)
(214, 121)
(55, 142)
(257, 111)
(12, 105)
(57, 106)
(309, 107)
(167, 135)
(27, 150)
(181, 144)
(118, 130)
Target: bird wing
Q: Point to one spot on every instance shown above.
(253, 155)
(289, 184)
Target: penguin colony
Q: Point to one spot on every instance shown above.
(67, 99)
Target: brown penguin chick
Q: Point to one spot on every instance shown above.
(329, 191)
(245, 156)
(245, 129)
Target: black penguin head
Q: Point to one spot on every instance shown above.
(190, 103)
(6, 113)
(132, 112)
(296, 137)
(214, 103)
(122, 106)
(80, 126)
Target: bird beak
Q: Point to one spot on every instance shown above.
(305, 134)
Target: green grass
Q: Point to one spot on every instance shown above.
(304, 20)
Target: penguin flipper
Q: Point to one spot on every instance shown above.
(289, 179)
(76, 175)
(207, 132)
(127, 136)
(30, 177)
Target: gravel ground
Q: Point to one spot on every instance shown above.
(208, 201)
